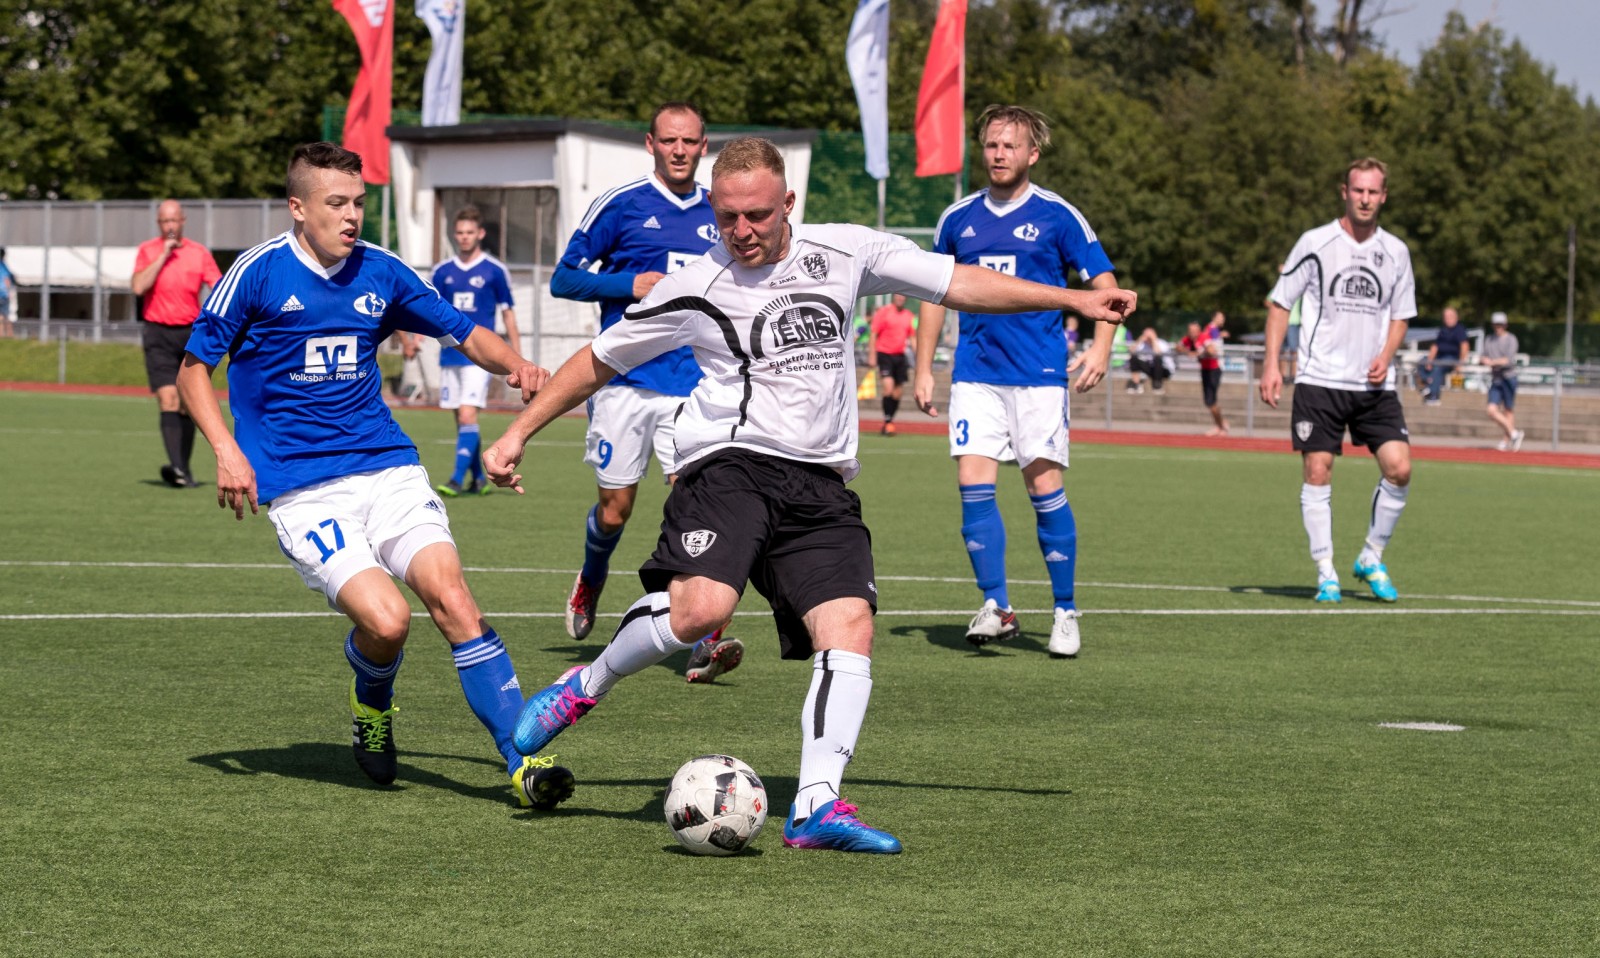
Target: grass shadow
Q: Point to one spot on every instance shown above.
(331, 764)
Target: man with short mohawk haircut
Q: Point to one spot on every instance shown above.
(766, 444)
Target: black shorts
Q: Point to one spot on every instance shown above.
(1321, 416)
(1210, 381)
(163, 353)
(790, 528)
(892, 366)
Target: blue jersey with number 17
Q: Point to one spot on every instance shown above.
(1039, 237)
(303, 379)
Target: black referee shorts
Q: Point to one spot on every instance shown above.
(1321, 415)
(163, 353)
(791, 528)
(892, 366)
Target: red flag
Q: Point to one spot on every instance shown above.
(367, 118)
(941, 113)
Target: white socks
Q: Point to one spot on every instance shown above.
(1388, 501)
(1316, 509)
(644, 638)
(841, 684)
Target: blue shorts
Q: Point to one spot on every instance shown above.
(1291, 341)
(1503, 393)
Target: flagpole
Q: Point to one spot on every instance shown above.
(882, 192)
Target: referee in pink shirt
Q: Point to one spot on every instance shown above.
(173, 276)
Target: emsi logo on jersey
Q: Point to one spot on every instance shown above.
(1363, 283)
(803, 325)
(327, 355)
(1027, 232)
(1000, 264)
(708, 232)
(815, 265)
(698, 541)
(371, 304)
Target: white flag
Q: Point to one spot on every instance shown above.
(441, 85)
(866, 53)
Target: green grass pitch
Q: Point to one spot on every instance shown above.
(1208, 778)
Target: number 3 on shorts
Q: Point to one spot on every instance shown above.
(961, 432)
(604, 449)
(322, 547)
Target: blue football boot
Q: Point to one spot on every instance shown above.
(1377, 579)
(550, 711)
(838, 829)
(1328, 592)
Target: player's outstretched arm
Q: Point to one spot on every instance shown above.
(578, 378)
(493, 353)
(930, 326)
(1271, 378)
(979, 290)
(236, 480)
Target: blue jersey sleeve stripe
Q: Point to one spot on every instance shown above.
(1088, 231)
(601, 202)
(222, 296)
(960, 204)
(402, 263)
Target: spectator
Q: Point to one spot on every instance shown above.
(1205, 347)
(892, 326)
(173, 276)
(1499, 353)
(8, 288)
(1073, 339)
(1448, 350)
(1149, 359)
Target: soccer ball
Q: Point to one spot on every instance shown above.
(716, 805)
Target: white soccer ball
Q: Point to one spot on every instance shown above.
(716, 805)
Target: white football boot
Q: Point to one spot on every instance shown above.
(1064, 634)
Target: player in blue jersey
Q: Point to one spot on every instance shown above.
(475, 283)
(630, 238)
(301, 318)
(1008, 400)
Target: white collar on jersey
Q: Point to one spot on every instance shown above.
(466, 265)
(681, 202)
(311, 261)
(1001, 209)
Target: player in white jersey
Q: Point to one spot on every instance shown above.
(766, 443)
(1357, 294)
(301, 318)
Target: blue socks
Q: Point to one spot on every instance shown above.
(984, 533)
(468, 445)
(597, 549)
(490, 684)
(374, 682)
(1058, 541)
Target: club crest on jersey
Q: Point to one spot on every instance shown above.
(476, 282)
(708, 232)
(1377, 258)
(698, 541)
(815, 265)
(371, 304)
(1027, 232)
(1302, 429)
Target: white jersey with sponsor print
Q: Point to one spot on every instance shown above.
(774, 341)
(1350, 292)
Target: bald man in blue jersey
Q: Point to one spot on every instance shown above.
(1008, 400)
(301, 318)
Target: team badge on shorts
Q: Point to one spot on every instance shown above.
(698, 541)
(1303, 430)
(815, 265)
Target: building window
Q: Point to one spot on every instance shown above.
(519, 223)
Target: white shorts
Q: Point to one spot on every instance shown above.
(624, 424)
(372, 520)
(463, 386)
(1005, 423)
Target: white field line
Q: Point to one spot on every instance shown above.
(956, 580)
(894, 613)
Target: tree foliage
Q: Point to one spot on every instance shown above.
(1200, 137)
